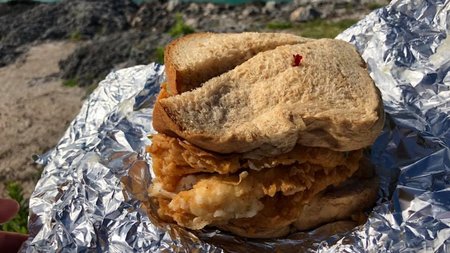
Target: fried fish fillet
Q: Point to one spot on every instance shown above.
(200, 199)
(174, 158)
(281, 214)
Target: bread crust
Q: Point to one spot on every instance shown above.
(334, 131)
(161, 121)
(175, 81)
(180, 80)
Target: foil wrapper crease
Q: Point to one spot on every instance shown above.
(80, 204)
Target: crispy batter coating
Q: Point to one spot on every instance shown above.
(173, 158)
(283, 213)
(218, 199)
(201, 199)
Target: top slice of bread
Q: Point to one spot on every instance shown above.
(266, 105)
(196, 58)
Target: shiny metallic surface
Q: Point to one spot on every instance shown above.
(85, 200)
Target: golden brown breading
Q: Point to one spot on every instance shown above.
(253, 198)
(216, 199)
(173, 158)
(283, 213)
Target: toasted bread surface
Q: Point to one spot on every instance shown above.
(193, 59)
(267, 105)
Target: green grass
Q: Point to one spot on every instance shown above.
(320, 28)
(19, 223)
(278, 25)
(159, 54)
(374, 6)
(180, 28)
(349, 6)
(75, 36)
(70, 83)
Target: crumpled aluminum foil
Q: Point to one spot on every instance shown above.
(85, 200)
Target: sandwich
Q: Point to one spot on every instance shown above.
(262, 134)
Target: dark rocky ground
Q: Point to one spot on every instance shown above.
(119, 33)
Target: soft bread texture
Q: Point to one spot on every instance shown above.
(266, 105)
(191, 60)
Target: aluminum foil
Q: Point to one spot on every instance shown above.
(90, 196)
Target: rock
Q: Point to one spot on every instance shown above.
(250, 11)
(69, 19)
(172, 4)
(8, 54)
(193, 8)
(321, 2)
(340, 12)
(269, 7)
(325, 11)
(302, 14)
(192, 22)
(209, 9)
(136, 22)
(154, 16)
(15, 8)
(301, 2)
(91, 62)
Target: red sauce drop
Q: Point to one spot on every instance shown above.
(297, 60)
